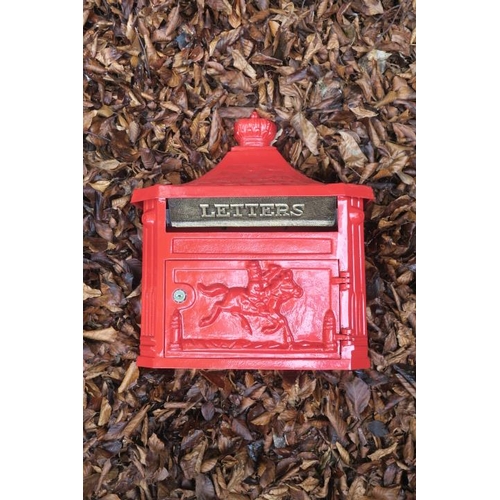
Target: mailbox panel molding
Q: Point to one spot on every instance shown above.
(253, 266)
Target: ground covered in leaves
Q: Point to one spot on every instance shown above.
(163, 84)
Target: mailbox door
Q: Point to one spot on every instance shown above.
(248, 305)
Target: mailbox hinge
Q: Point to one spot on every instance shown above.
(345, 334)
(343, 280)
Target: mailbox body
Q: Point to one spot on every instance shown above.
(234, 276)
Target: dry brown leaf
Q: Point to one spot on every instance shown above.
(89, 292)
(380, 493)
(155, 443)
(104, 334)
(238, 475)
(306, 464)
(361, 112)
(314, 45)
(394, 163)
(240, 428)
(309, 483)
(204, 488)
(357, 489)
(234, 19)
(107, 164)
(208, 465)
(105, 412)
(368, 171)
(370, 7)
(289, 414)
(391, 96)
(263, 419)
(377, 455)
(121, 202)
(409, 450)
(306, 386)
(215, 135)
(338, 423)
(240, 62)
(344, 455)
(375, 56)
(87, 119)
(350, 151)
(262, 59)
(134, 422)
(407, 385)
(307, 131)
(131, 375)
(220, 6)
(208, 410)
(277, 493)
(405, 335)
(173, 21)
(359, 393)
(101, 185)
(134, 130)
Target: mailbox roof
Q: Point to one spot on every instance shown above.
(252, 171)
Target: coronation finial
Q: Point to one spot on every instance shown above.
(254, 131)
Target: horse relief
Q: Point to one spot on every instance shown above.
(259, 303)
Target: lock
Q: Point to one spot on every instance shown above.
(273, 262)
(179, 295)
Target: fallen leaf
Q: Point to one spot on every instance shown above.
(344, 455)
(105, 412)
(131, 375)
(377, 455)
(204, 488)
(307, 132)
(107, 164)
(241, 429)
(104, 334)
(89, 292)
(380, 493)
(370, 7)
(134, 422)
(350, 151)
(359, 394)
(241, 63)
(357, 489)
(263, 419)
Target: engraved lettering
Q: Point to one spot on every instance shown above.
(222, 210)
(204, 211)
(225, 210)
(266, 209)
(252, 209)
(236, 207)
(297, 209)
(282, 210)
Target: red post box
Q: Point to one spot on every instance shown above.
(253, 266)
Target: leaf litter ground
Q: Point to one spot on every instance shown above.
(164, 82)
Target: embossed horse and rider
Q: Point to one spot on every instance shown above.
(258, 306)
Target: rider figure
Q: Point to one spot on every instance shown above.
(258, 282)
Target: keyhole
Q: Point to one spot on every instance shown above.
(179, 295)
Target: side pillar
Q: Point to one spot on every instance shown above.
(152, 303)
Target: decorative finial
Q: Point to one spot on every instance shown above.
(254, 131)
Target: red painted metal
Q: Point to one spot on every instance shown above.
(276, 298)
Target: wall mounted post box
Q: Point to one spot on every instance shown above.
(253, 266)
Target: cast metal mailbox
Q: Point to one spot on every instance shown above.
(253, 266)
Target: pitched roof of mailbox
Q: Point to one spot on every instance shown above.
(251, 171)
(253, 166)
